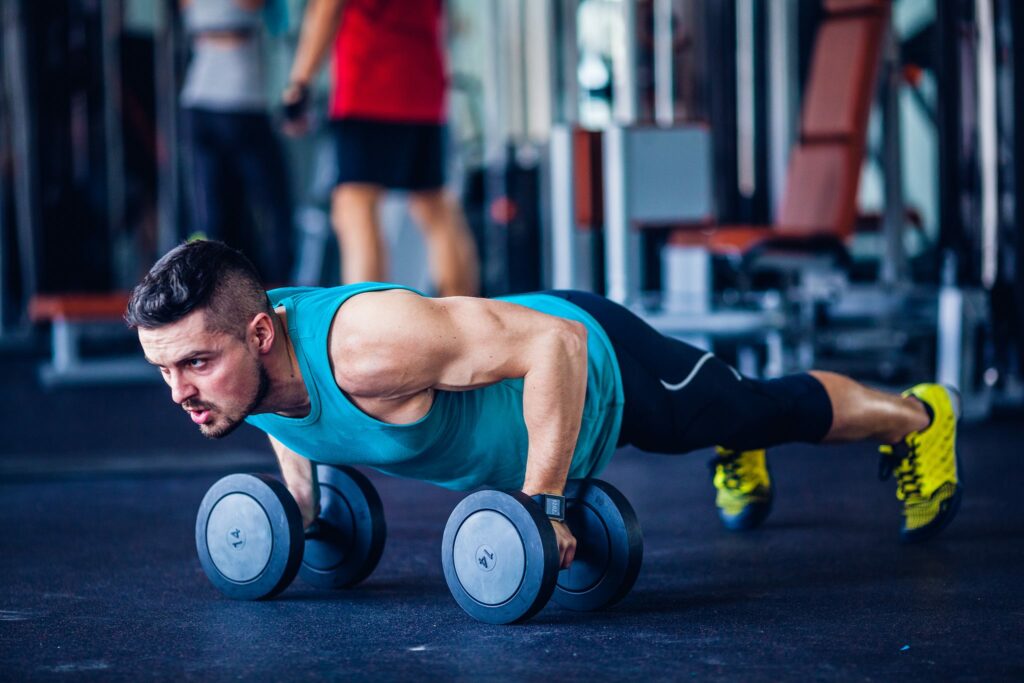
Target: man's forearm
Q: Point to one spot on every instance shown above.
(319, 24)
(553, 395)
(300, 477)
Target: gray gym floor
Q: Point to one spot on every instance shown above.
(100, 581)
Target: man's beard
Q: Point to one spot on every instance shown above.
(231, 424)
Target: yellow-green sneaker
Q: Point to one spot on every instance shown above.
(744, 487)
(926, 466)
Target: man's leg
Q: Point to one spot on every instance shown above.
(860, 413)
(450, 249)
(356, 222)
(680, 398)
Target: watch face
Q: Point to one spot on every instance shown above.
(553, 507)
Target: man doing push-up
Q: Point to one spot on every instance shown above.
(520, 392)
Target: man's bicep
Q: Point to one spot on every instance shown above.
(397, 343)
(484, 341)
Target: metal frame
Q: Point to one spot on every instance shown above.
(566, 264)
(68, 367)
(23, 142)
(166, 93)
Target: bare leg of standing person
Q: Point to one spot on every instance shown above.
(454, 266)
(355, 218)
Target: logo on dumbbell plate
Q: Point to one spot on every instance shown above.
(485, 558)
(236, 538)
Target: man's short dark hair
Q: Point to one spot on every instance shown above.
(201, 274)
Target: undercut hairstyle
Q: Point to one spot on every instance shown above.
(199, 275)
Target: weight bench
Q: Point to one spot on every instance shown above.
(818, 211)
(79, 316)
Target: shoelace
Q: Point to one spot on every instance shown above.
(901, 460)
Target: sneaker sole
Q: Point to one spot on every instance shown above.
(751, 518)
(927, 532)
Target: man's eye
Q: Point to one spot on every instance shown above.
(197, 362)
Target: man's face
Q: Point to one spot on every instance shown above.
(218, 378)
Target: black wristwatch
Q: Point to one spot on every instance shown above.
(553, 506)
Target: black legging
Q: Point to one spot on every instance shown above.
(679, 398)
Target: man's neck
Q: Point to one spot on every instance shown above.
(288, 395)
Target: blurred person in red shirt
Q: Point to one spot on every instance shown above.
(388, 114)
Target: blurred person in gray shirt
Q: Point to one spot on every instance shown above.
(238, 180)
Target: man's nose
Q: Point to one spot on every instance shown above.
(181, 389)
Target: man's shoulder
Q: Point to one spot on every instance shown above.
(375, 306)
(368, 322)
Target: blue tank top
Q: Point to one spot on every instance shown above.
(467, 439)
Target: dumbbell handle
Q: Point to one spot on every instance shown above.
(322, 530)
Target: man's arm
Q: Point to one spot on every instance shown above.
(319, 24)
(392, 345)
(300, 478)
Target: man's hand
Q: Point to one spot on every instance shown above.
(295, 109)
(566, 544)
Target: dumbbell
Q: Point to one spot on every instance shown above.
(251, 543)
(500, 554)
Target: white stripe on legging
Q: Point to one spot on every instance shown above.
(693, 373)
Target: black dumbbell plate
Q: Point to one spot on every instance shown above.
(500, 556)
(349, 503)
(249, 536)
(609, 546)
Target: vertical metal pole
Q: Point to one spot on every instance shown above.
(494, 124)
(745, 98)
(518, 101)
(952, 176)
(624, 86)
(540, 39)
(566, 89)
(950, 338)
(560, 219)
(537, 44)
(894, 261)
(496, 135)
(166, 95)
(5, 258)
(782, 93)
(622, 244)
(111, 12)
(664, 74)
(23, 142)
(987, 142)
(563, 209)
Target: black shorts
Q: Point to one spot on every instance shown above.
(680, 398)
(397, 156)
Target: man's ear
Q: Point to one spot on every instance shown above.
(261, 330)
